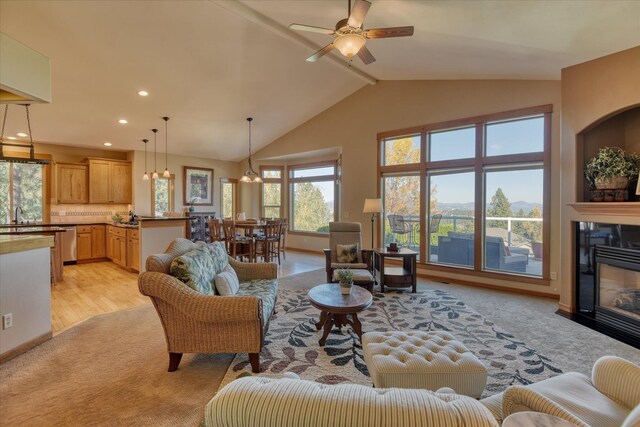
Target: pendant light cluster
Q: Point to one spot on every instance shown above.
(155, 174)
(250, 175)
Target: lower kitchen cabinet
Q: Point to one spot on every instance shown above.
(91, 242)
(133, 249)
(123, 247)
(98, 241)
(84, 246)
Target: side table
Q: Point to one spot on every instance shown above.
(396, 277)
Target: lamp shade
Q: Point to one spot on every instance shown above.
(372, 206)
(349, 44)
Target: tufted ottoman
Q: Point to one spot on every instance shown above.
(428, 360)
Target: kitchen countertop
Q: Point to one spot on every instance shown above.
(30, 229)
(71, 224)
(20, 243)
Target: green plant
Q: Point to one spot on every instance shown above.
(117, 218)
(611, 162)
(345, 275)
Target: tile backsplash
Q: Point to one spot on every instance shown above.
(69, 214)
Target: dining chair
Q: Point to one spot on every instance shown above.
(216, 232)
(237, 246)
(268, 243)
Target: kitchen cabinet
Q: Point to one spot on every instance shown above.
(91, 242)
(109, 181)
(72, 183)
(133, 249)
(98, 241)
(119, 246)
(109, 242)
(83, 242)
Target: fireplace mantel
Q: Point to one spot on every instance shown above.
(607, 208)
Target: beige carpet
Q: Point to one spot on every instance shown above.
(109, 370)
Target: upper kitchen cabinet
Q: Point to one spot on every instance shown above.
(109, 181)
(72, 183)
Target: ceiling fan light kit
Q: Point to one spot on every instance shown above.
(350, 37)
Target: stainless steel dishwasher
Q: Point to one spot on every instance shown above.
(69, 246)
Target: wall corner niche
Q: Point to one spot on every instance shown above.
(620, 129)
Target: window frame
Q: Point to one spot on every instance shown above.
(234, 194)
(292, 181)
(478, 164)
(280, 181)
(46, 184)
(172, 192)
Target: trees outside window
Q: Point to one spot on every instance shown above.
(313, 197)
(271, 191)
(228, 188)
(21, 184)
(162, 195)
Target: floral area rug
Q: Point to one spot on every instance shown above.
(291, 345)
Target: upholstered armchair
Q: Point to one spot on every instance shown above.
(198, 323)
(344, 234)
(606, 399)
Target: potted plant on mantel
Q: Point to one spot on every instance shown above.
(609, 172)
(345, 277)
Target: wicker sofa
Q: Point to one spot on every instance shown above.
(197, 323)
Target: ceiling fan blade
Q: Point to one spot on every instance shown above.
(359, 11)
(322, 52)
(312, 29)
(381, 33)
(365, 55)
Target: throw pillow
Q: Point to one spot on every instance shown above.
(227, 282)
(196, 270)
(347, 253)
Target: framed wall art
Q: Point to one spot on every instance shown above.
(197, 186)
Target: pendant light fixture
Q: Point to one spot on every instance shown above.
(145, 177)
(250, 175)
(155, 154)
(166, 173)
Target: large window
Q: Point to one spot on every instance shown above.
(228, 202)
(21, 186)
(271, 191)
(313, 197)
(482, 183)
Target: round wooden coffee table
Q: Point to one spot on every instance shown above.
(336, 308)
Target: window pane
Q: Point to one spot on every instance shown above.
(515, 137)
(27, 190)
(271, 199)
(271, 212)
(513, 223)
(401, 200)
(5, 216)
(313, 205)
(451, 218)
(161, 196)
(402, 151)
(227, 200)
(306, 173)
(272, 173)
(452, 144)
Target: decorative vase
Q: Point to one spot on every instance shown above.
(345, 288)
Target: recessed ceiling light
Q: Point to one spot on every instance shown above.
(143, 93)
(123, 121)
(22, 134)
(11, 137)
(107, 144)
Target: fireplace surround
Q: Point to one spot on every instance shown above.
(607, 279)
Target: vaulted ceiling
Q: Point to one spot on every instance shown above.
(210, 64)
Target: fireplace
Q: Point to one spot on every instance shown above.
(608, 279)
(618, 288)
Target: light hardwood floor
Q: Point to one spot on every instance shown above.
(103, 287)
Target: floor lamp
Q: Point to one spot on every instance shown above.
(372, 206)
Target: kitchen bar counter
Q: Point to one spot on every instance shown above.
(10, 244)
(12, 230)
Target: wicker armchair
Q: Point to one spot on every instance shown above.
(196, 323)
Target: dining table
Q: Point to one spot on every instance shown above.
(252, 229)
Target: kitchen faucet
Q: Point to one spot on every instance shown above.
(18, 208)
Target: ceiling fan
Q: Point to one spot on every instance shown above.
(350, 36)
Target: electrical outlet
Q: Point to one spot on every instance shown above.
(554, 275)
(7, 321)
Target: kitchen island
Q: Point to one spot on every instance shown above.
(25, 292)
(57, 272)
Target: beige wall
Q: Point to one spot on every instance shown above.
(591, 92)
(142, 189)
(353, 124)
